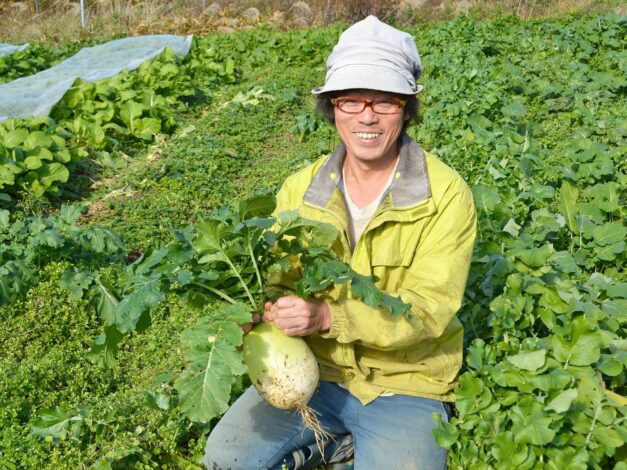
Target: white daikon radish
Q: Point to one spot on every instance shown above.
(284, 371)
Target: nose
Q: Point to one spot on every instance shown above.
(368, 116)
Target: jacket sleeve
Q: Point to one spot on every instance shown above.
(433, 285)
(283, 198)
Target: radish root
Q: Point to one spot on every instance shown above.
(310, 418)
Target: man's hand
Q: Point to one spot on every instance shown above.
(246, 327)
(298, 317)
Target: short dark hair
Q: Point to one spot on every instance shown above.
(325, 107)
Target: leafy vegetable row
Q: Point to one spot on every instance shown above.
(102, 120)
(33, 59)
(546, 305)
(29, 244)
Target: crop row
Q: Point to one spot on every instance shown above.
(538, 135)
(102, 120)
(33, 59)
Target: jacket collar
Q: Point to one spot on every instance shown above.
(410, 186)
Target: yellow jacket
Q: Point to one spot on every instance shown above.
(419, 245)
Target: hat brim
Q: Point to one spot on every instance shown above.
(368, 77)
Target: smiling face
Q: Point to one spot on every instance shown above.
(370, 138)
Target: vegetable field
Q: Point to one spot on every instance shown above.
(132, 220)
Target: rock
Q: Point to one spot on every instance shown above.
(300, 10)
(212, 10)
(251, 14)
(20, 7)
(415, 3)
(299, 21)
(225, 30)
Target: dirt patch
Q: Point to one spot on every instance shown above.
(104, 208)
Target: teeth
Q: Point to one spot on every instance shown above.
(367, 135)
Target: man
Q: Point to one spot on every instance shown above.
(404, 217)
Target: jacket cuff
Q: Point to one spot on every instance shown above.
(338, 320)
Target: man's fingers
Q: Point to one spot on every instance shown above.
(288, 323)
(284, 323)
(295, 316)
(246, 327)
(296, 332)
(287, 301)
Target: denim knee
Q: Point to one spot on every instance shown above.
(219, 457)
(212, 463)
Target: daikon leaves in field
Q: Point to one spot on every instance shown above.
(234, 262)
(212, 344)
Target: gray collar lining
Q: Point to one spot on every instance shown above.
(409, 189)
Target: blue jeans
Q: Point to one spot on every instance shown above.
(391, 432)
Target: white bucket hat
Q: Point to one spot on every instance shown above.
(374, 56)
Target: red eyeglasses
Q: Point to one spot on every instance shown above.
(355, 105)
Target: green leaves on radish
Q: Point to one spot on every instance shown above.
(227, 266)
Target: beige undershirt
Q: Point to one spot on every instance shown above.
(358, 218)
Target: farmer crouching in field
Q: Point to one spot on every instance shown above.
(403, 216)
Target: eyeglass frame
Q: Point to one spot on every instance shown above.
(367, 104)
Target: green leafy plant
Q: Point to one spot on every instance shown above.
(306, 123)
(35, 58)
(28, 244)
(545, 307)
(232, 257)
(34, 154)
(99, 119)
